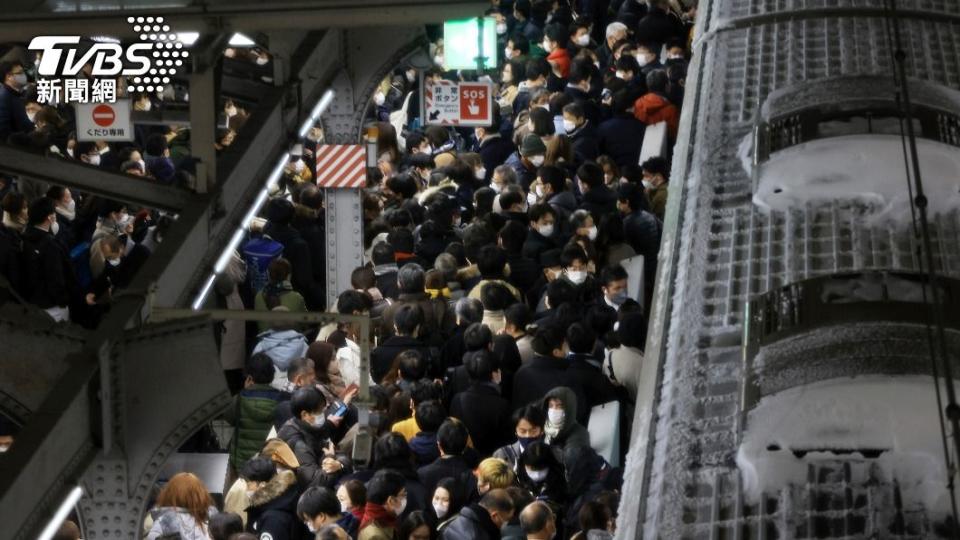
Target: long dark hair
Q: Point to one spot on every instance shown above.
(414, 520)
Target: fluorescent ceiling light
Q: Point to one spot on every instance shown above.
(325, 100)
(61, 514)
(202, 297)
(240, 40)
(188, 38)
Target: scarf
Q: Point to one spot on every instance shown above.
(377, 513)
(382, 269)
(552, 430)
(436, 293)
(66, 213)
(13, 223)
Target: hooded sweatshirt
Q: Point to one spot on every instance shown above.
(653, 108)
(570, 433)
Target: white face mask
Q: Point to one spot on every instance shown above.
(298, 165)
(262, 60)
(501, 28)
(647, 184)
(531, 198)
(577, 277)
(55, 228)
(114, 262)
(310, 526)
(536, 160)
(411, 76)
(546, 230)
(31, 115)
(621, 75)
(642, 59)
(592, 233)
(94, 160)
(344, 506)
(401, 506)
(441, 509)
(497, 188)
(583, 40)
(537, 476)
(569, 126)
(480, 173)
(546, 46)
(318, 420)
(379, 98)
(70, 152)
(556, 416)
(674, 57)
(72, 206)
(438, 60)
(4, 448)
(230, 111)
(539, 190)
(508, 53)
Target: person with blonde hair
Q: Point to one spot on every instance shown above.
(494, 473)
(183, 508)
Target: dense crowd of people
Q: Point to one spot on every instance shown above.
(502, 324)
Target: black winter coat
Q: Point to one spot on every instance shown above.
(621, 138)
(486, 414)
(381, 358)
(658, 27)
(494, 151)
(587, 380)
(586, 143)
(297, 251)
(536, 244)
(598, 201)
(13, 114)
(642, 230)
(273, 509)
(308, 445)
(48, 277)
(444, 467)
(474, 523)
(537, 377)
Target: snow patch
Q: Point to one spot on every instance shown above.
(845, 419)
(864, 168)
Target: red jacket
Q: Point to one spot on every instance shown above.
(561, 59)
(654, 108)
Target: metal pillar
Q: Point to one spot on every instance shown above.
(364, 51)
(203, 128)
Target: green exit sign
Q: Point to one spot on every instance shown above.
(461, 43)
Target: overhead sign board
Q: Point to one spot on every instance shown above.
(104, 121)
(461, 43)
(459, 104)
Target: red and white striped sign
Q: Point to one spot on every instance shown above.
(341, 166)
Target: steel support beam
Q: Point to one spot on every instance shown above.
(373, 53)
(203, 128)
(20, 26)
(75, 175)
(243, 168)
(64, 434)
